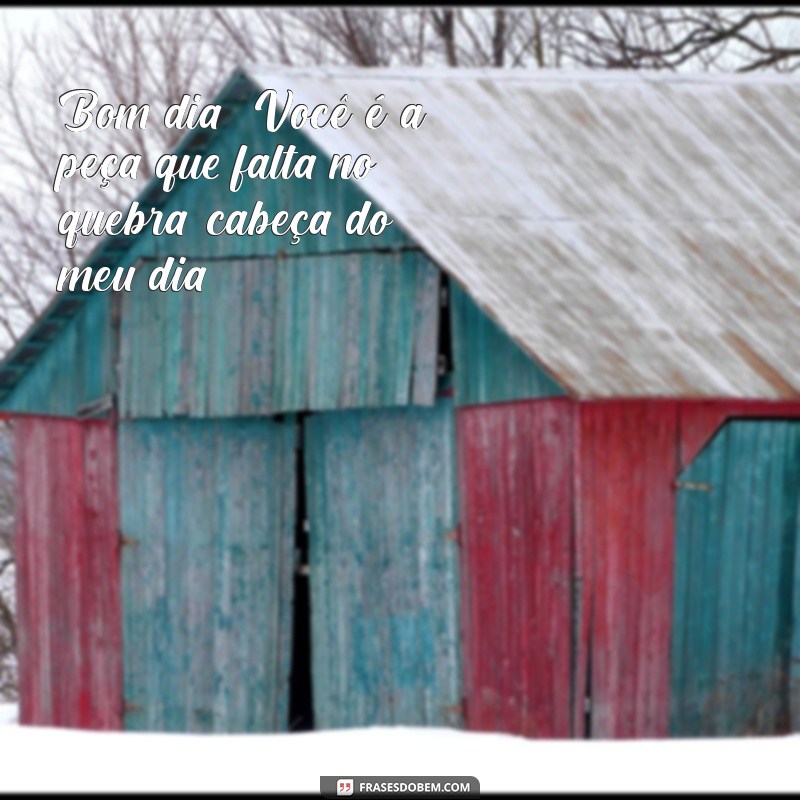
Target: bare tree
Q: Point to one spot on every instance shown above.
(128, 56)
(409, 36)
(8, 628)
(733, 39)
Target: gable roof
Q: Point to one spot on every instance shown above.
(638, 234)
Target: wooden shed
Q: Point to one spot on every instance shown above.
(528, 461)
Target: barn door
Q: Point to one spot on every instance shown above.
(517, 524)
(207, 510)
(383, 567)
(736, 595)
(67, 573)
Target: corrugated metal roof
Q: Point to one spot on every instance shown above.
(638, 234)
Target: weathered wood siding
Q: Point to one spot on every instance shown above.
(489, 366)
(67, 549)
(78, 366)
(202, 197)
(384, 569)
(273, 335)
(515, 466)
(73, 370)
(626, 459)
(736, 584)
(209, 507)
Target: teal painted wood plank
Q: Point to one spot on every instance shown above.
(425, 366)
(794, 668)
(73, 370)
(736, 547)
(170, 348)
(78, 365)
(384, 567)
(207, 587)
(270, 336)
(202, 198)
(489, 367)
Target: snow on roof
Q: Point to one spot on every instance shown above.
(637, 233)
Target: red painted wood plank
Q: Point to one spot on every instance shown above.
(627, 462)
(516, 521)
(627, 456)
(102, 681)
(68, 573)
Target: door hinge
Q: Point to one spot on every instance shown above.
(103, 405)
(458, 710)
(128, 541)
(454, 535)
(130, 708)
(694, 486)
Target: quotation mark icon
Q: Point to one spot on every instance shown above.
(344, 787)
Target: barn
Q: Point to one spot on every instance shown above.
(527, 461)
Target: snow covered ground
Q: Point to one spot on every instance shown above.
(46, 759)
(8, 714)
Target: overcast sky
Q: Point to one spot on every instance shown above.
(22, 18)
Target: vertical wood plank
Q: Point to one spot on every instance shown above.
(384, 572)
(207, 592)
(68, 573)
(515, 466)
(627, 455)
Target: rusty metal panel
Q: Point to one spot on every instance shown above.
(515, 465)
(273, 335)
(488, 366)
(735, 583)
(68, 573)
(626, 459)
(208, 509)
(559, 201)
(384, 570)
